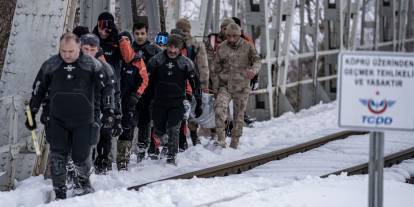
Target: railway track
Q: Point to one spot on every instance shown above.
(389, 160)
(243, 165)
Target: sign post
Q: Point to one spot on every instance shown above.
(375, 94)
(376, 169)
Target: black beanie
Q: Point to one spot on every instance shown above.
(106, 16)
(126, 34)
(90, 39)
(80, 30)
(175, 40)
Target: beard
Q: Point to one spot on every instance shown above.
(172, 54)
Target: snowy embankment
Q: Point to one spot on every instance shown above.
(280, 185)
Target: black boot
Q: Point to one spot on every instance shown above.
(141, 152)
(164, 152)
(72, 175)
(248, 121)
(194, 138)
(171, 160)
(182, 137)
(153, 151)
(142, 144)
(106, 164)
(98, 165)
(84, 187)
(60, 192)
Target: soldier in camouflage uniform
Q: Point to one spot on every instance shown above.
(214, 39)
(236, 63)
(196, 51)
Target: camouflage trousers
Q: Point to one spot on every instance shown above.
(221, 107)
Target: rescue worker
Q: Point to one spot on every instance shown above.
(236, 63)
(212, 44)
(103, 162)
(169, 71)
(109, 40)
(116, 51)
(134, 81)
(145, 49)
(254, 83)
(196, 51)
(68, 82)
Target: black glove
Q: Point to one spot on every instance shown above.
(117, 130)
(129, 120)
(188, 97)
(34, 126)
(108, 120)
(133, 100)
(99, 53)
(31, 128)
(198, 110)
(254, 83)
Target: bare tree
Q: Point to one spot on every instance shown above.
(6, 18)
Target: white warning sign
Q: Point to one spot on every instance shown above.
(376, 90)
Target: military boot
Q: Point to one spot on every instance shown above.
(194, 137)
(213, 134)
(221, 139)
(122, 158)
(234, 142)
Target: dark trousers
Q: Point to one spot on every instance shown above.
(128, 122)
(167, 119)
(144, 118)
(74, 141)
(103, 148)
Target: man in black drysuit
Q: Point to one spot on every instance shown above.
(168, 72)
(145, 49)
(134, 82)
(69, 83)
(102, 163)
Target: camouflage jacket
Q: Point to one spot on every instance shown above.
(200, 60)
(231, 63)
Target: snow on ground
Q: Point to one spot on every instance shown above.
(259, 187)
(242, 191)
(334, 156)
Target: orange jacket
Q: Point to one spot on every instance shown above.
(128, 55)
(248, 38)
